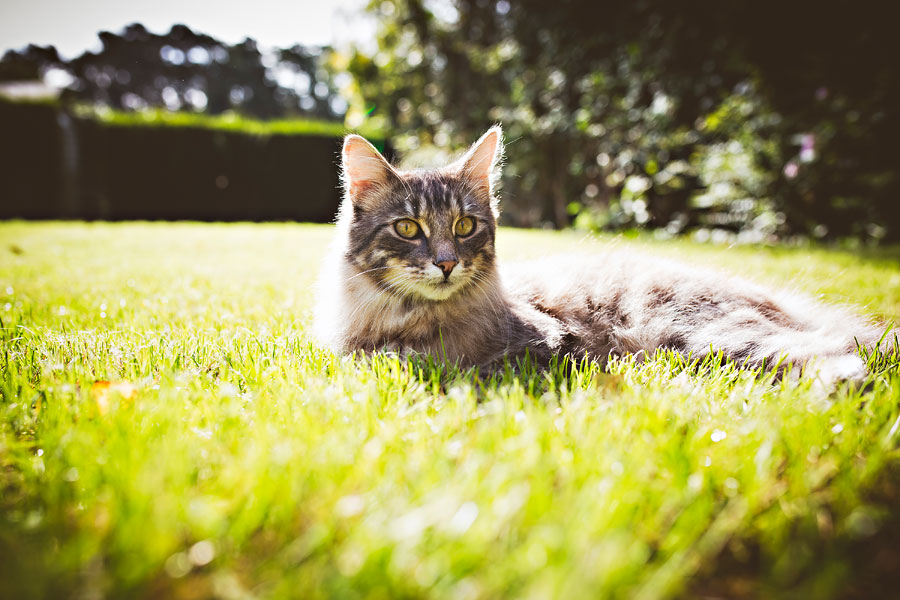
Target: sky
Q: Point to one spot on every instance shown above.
(72, 25)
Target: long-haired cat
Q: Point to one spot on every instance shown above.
(413, 268)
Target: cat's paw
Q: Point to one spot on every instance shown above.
(830, 371)
(401, 351)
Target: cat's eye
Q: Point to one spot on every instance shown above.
(406, 228)
(464, 226)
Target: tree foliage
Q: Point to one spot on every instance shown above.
(742, 118)
(185, 70)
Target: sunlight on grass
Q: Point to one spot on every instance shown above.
(246, 462)
(225, 122)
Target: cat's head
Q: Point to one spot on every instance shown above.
(426, 234)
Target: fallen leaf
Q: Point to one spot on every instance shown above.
(104, 391)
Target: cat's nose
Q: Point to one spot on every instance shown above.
(446, 266)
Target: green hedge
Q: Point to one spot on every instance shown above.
(30, 161)
(96, 165)
(224, 122)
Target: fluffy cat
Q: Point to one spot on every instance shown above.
(413, 268)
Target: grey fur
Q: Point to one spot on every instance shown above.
(380, 291)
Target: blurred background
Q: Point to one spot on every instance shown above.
(745, 121)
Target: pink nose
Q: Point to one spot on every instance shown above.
(447, 266)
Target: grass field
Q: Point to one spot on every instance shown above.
(232, 458)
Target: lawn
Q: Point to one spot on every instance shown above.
(230, 457)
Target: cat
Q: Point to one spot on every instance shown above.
(413, 269)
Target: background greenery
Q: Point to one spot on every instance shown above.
(61, 161)
(741, 120)
(238, 460)
(750, 121)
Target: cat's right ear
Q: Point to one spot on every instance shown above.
(365, 170)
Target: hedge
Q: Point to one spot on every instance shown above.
(56, 163)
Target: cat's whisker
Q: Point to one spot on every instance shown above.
(486, 285)
(367, 271)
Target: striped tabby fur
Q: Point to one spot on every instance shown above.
(380, 290)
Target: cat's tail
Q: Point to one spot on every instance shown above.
(879, 346)
(876, 347)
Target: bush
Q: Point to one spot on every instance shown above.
(91, 165)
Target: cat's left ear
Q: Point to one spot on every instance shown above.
(481, 164)
(365, 170)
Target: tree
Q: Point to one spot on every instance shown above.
(28, 64)
(617, 110)
(186, 70)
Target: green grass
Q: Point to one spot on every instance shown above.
(225, 122)
(251, 464)
(229, 121)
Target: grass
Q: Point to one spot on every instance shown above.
(229, 121)
(248, 463)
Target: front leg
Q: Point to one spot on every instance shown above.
(401, 350)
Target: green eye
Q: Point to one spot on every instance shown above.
(464, 226)
(406, 228)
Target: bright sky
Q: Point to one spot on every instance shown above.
(72, 25)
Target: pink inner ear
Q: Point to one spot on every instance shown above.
(481, 162)
(363, 165)
(356, 188)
